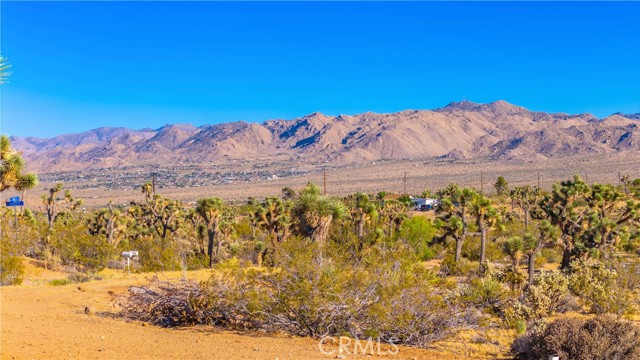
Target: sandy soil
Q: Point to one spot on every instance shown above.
(40, 321)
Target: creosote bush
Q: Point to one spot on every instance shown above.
(600, 338)
(11, 270)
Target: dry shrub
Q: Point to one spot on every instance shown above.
(601, 338)
(382, 296)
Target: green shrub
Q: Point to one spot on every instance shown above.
(72, 244)
(550, 255)
(60, 282)
(600, 289)
(11, 270)
(548, 294)
(463, 267)
(485, 292)
(418, 232)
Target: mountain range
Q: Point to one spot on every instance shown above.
(460, 130)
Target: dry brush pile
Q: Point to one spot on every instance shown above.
(391, 300)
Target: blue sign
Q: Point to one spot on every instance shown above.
(15, 201)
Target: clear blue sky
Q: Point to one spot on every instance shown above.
(81, 65)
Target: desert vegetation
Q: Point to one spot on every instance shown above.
(549, 264)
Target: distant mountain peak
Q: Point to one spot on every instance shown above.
(635, 116)
(498, 107)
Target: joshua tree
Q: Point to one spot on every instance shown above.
(501, 185)
(393, 212)
(26, 182)
(454, 211)
(54, 206)
(110, 221)
(210, 209)
(227, 229)
(625, 180)
(364, 210)
(588, 217)
(11, 167)
(316, 212)
(487, 216)
(533, 245)
(274, 216)
(148, 191)
(525, 198)
(514, 248)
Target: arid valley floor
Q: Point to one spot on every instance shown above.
(426, 174)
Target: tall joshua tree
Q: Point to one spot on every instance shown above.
(487, 216)
(525, 198)
(453, 214)
(588, 218)
(211, 209)
(274, 216)
(533, 245)
(364, 210)
(55, 206)
(393, 212)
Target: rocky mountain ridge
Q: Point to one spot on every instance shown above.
(496, 130)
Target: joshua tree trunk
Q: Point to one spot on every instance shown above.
(566, 259)
(532, 260)
(483, 241)
(459, 241)
(361, 226)
(321, 231)
(212, 236)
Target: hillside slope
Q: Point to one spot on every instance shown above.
(497, 130)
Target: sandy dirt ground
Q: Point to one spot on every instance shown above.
(40, 321)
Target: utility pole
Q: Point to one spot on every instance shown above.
(619, 179)
(538, 179)
(324, 174)
(482, 182)
(404, 181)
(153, 184)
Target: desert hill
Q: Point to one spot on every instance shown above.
(496, 130)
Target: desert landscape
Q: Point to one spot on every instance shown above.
(320, 180)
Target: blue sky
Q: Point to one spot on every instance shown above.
(82, 65)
